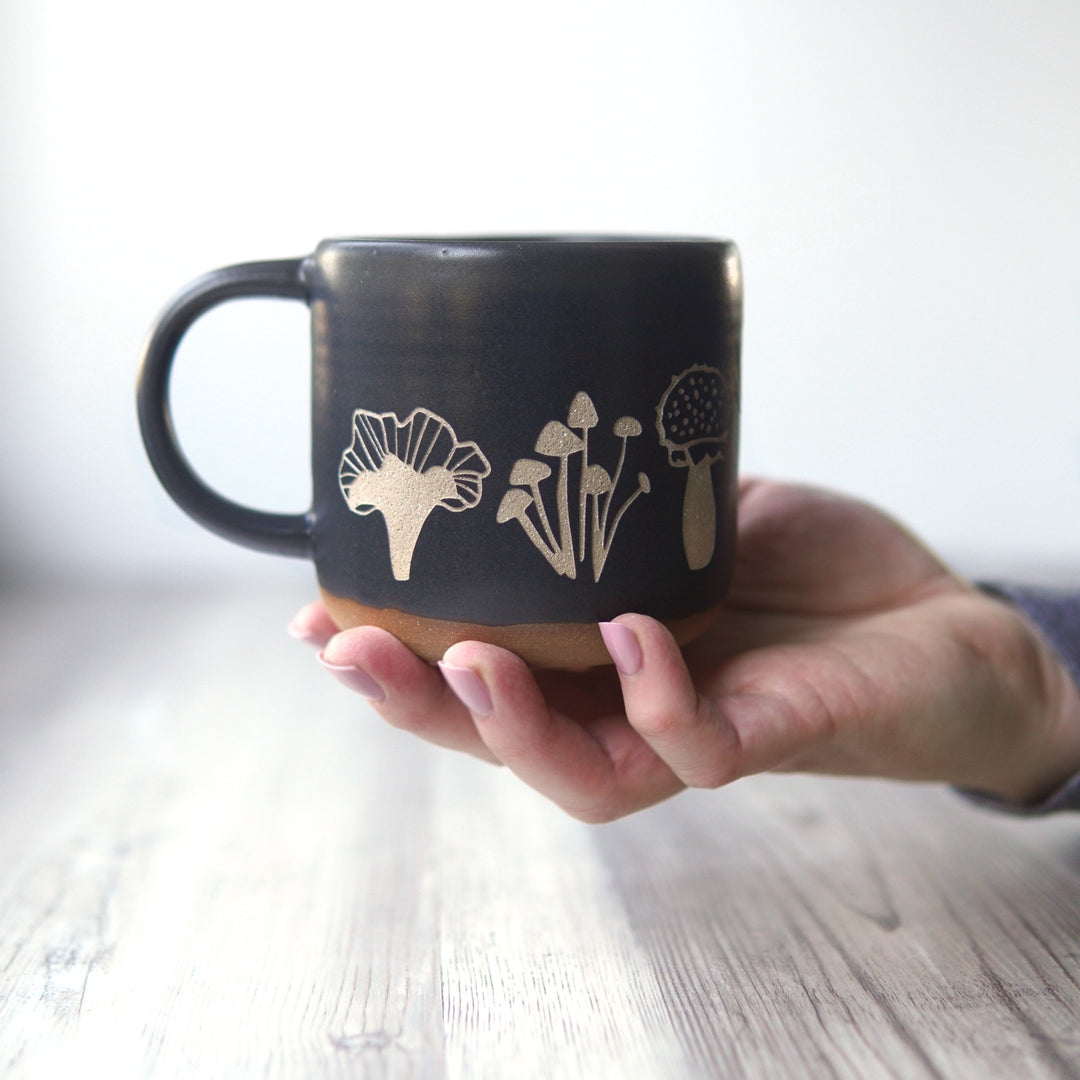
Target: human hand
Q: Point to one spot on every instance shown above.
(844, 647)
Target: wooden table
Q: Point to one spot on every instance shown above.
(215, 862)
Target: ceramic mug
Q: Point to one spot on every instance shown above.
(513, 438)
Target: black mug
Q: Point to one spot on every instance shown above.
(513, 438)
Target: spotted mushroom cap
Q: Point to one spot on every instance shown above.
(690, 418)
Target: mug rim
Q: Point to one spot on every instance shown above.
(537, 239)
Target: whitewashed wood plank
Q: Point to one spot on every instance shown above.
(220, 890)
(541, 977)
(214, 862)
(826, 928)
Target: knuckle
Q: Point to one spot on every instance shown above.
(674, 721)
(661, 723)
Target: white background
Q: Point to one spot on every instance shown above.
(903, 180)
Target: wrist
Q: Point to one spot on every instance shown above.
(1040, 674)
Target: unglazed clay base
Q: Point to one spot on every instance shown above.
(566, 645)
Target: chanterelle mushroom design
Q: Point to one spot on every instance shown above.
(405, 469)
(690, 423)
(596, 490)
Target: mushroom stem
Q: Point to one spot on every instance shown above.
(597, 538)
(403, 531)
(602, 545)
(614, 484)
(566, 564)
(531, 532)
(515, 507)
(542, 513)
(584, 499)
(699, 515)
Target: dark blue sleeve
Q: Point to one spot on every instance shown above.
(1056, 612)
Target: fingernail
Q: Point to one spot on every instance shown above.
(469, 688)
(623, 647)
(355, 679)
(300, 633)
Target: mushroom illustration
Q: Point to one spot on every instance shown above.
(690, 425)
(625, 428)
(531, 474)
(595, 481)
(515, 507)
(563, 551)
(602, 536)
(582, 417)
(558, 441)
(405, 469)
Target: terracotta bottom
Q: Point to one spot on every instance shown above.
(568, 645)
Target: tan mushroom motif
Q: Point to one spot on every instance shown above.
(405, 469)
(690, 424)
(596, 527)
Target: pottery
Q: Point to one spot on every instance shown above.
(513, 438)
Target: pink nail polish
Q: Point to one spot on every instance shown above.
(300, 633)
(469, 688)
(356, 680)
(623, 647)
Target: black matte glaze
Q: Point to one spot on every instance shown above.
(496, 336)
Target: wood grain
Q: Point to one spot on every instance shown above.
(214, 862)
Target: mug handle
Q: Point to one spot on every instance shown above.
(282, 534)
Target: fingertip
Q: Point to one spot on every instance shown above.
(471, 653)
(408, 692)
(379, 653)
(463, 654)
(341, 648)
(623, 647)
(354, 678)
(312, 624)
(369, 661)
(637, 642)
(469, 688)
(501, 674)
